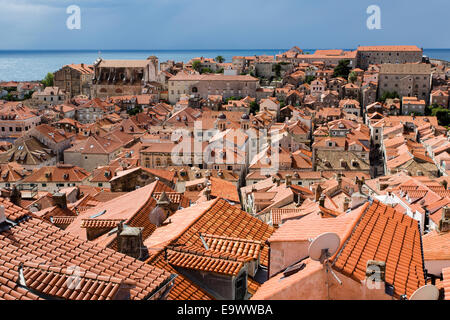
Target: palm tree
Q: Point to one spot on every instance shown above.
(219, 59)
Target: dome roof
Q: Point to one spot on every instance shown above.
(245, 117)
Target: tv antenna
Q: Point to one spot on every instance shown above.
(321, 249)
(427, 292)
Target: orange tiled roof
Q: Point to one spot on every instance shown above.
(446, 282)
(99, 223)
(204, 261)
(389, 48)
(436, 246)
(233, 246)
(384, 234)
(35, 240)
(183, 288)
(53, 281)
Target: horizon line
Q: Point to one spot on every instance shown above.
(246, 49)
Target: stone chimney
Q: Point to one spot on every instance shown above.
(208, 193)
(16, 195)
(346, 204)
(444, 223)
(288, 180)
(318, 193)
(339, 180)
(129, 241)
(60, 200)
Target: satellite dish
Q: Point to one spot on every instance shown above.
(427, 292)
(324, 246)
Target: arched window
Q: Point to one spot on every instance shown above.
(194, 89)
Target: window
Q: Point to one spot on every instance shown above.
(44, 185)
(100, 184)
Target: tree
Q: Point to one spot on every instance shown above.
(220, 59)
(206, 70)
(277, 69)
(48, 80)
(388, 95)
(342, 69)
(352, 77)
(254, 107)
(309, 79)
(196, 65)
(134, 110)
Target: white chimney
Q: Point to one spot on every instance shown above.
(2, 214)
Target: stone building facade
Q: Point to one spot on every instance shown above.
(408, 80)
(387, 54)
(212, 84)
(74, 79)
(124, 77)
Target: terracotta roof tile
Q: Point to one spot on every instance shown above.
(35, 240)
(386, 235)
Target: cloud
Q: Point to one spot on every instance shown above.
(233, 24)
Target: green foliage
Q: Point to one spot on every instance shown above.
(309, 79)
(352, 77)
(277, 69)
(388, 95)
(48, 80)
(220, 70)
(232, 98)
(220, 59)
(206, 70)
(342, 69)
(441, 113)
(196, 65)
(134, 111)
(254, 107)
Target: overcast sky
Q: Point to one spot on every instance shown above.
(226, 24)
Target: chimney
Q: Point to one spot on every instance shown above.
(299, 200)
(322, 200)
(129, 241)
(2, 215)
(288, 180)
(346, 204)
(318, 193)
(444, 224)
(60, 200)
(339, 180)
(208, 193)
(16, 195)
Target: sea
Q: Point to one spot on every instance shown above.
(29, 65)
